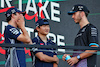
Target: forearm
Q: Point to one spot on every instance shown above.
(55, 65)
(47, 58)
(87, 53)
(26, 35)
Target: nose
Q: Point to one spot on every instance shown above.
(47, 27)
(73, 16)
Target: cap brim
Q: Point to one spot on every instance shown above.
(23, 13)
(45, 23)
(71, 12)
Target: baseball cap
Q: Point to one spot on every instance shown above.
(78, 7)
(41, 22)
(12, 11)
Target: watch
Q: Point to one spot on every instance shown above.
(78, 57)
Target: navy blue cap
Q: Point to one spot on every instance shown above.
(12, 11)
(78, 7)
(41, 22)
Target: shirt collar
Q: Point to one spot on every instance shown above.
(48, 40)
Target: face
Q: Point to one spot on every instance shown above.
(77, 17)
(44, 29)
(16, 17)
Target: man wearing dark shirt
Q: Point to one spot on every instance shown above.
(12, 35)
(87, 36)
(47, 58)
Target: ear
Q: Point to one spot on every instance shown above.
(37, 28)
(82, 13)
(12, 15)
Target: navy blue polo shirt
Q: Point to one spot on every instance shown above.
(87, 36)
(11, 34)
(50, 52)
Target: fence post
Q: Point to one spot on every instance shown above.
(11, 57)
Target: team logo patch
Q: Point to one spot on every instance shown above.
(93, 32)
(8, 15)
(41, 43)
(80, 7)
(14, 31)
(13, 11)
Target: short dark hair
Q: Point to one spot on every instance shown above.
(9, 18)
(86, 14)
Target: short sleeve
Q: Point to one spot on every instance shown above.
(93, 35)
(35, 42)
(13, 32)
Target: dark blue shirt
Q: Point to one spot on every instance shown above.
(11, 34)
(49, 52)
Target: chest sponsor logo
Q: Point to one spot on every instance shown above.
(41, 43)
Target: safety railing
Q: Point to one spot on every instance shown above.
(7, 46)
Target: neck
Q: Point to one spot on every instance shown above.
(43, 37)
(83, 22)
(12, 23)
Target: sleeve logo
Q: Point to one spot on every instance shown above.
(93, 32)
(14, 31)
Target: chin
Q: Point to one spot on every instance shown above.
(77, 22)
(46, 34)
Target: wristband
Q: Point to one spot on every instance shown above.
(78, 57)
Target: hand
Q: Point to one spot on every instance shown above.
(57, 60)
(20, 22)
(72, 61)
(64, 56)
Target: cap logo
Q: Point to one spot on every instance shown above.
(73, 8)
(13, 11)
(8, 15)
(80, 7)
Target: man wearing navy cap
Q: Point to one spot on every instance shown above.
(47, 58)
(15, 19)
(87, 36)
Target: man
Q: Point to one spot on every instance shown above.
(87, 36)
(46, 58)
(12, 35)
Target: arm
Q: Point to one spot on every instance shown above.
(46, 58)
(24, 37)
(92, 34)
(86, 54)
(55, 64)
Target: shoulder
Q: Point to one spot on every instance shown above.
(8, 29)
(93, 30)
(92, 26)
(35, 40)
(11, 29)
